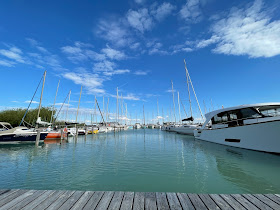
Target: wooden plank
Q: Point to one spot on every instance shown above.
(162, 202)
(196, 201)
(139, 201)
(117, 200)
(275, 198)
(220, 202)
(244, 202)
(105, 200)
(94, 200)
(150, 200)
(44, 200)
(83, 200)
(29, 199)
(173, 201)
(127, 200)
(232, 202)
(4, 195)
(3, 191)
(72, 200)
(207, 200)
(11, 196)
(185, 201)
(267, 201)
(256, 202)
(278, 195)
(61, 200)
(17, 199)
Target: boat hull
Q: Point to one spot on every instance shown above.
(20, 138)
(188, 130)
(261, 137)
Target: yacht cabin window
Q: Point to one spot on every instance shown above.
(270, 111)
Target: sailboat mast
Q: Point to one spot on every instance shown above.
(39, 109)
(180, 119)
(107, 113)
(144, 114)
(125, 113)
(121, 109)
(95, 115)
(117, 111)
(188, 87)
(66, 118)
(79, 104)
(157, 111)
(173, 101)
(55, 100)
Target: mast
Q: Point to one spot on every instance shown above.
(66, 118)
(188, 75)
(121, 109)
(162, 116)
(144, 114)
(180, 119)
(157, 111)
(54, 100)
(117, 111)
(107, 113)
(79, 104)
(173, 101)
(188, 87)
(95, 110)
(103, 106)
(39, 109)
(125, 113)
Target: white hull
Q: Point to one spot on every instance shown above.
(262, 136)
(186, 129)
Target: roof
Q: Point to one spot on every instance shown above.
(211, 114)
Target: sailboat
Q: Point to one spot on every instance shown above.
(187, 128)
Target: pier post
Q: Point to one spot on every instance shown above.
(37, 138)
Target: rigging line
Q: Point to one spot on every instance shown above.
(61, 106)
(31, 101)
(99, 110)
(184, 108)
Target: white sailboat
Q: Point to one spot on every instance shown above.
(254, 126)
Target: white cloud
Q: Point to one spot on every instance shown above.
(135, 46)
(104, 66)
(139, 1)
(250, 31)
(113, 54)
(114, 72)
(91, 82)
(36, 44)
(141, 73)
(207, 42)
(7, 63)
(13, 53)
(33, 102)
(163, 10)
(114, 31)
(140, 20)
(156, 48)
(191, 11)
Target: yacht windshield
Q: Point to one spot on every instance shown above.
(270, 111)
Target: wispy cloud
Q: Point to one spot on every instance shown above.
(141, 73)
(13, 53)
(33, 102)
(37, 45)
(250, 31)
(113, 54)
(191, 11)
(140, 19)
(4, 62)
(162, 11)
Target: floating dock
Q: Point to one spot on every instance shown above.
(52, 199)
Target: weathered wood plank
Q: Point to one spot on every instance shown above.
(244, 202)
(275, 198)
(44, 200)
(72, 200)
(207, 200)
(11, 196)
(139, 201)
(3, 191)
(29, 199)
(278, 195)
(232, 202)
(60, 201)
(220, 202)
(105, 200)
(127, 200)
(256, 202)
(94, 200)
(116, 201)
(162, 202)
(150, 200)
(4, 195)
(18, 199)
(185, 201)
(83, 200)
(267, 201)
(196, 201)
(173, 201)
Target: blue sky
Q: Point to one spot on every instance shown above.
(231, 47)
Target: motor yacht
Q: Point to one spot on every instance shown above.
(254, 126)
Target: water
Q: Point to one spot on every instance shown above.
(139, 160)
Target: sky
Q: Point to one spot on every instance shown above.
(231, 50)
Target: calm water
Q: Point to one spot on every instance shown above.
(139, 160)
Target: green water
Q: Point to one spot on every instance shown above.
(139, 160)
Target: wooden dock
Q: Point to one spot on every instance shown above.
(52, 199)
